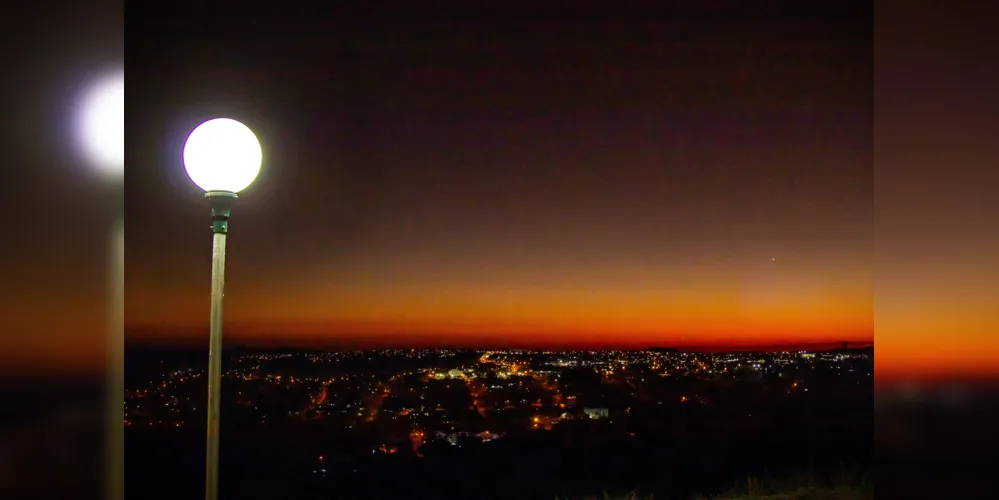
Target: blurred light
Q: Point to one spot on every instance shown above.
(101, 123)
(222, 155)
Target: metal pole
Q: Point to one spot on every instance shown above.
(116, 394)
(215, 367)
(220, 217)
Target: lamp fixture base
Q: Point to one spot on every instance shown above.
(221, 202)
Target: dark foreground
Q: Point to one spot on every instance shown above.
(570, 460)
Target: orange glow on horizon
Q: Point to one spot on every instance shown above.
(533, 316)
(926, 337)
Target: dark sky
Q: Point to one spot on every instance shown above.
(567, 176)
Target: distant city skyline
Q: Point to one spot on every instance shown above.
(192, 340)
(446, 408)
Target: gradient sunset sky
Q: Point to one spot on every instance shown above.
(575, 178)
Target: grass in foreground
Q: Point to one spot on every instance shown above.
(848, 485)
(798, 494)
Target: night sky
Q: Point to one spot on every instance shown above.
(698, 177)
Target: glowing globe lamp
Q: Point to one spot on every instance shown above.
(222, 155)
(101, 124)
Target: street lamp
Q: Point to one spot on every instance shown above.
(100, 130)
(222, 156)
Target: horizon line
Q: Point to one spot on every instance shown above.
(715, 347)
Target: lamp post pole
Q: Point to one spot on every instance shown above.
(101, 129)
(116, 395)
(220, 202)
